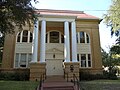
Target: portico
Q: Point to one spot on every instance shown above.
(69, 33)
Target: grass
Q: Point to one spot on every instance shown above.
(18, 85)
(85, 85)
(100, 85)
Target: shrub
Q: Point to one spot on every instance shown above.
(88, 76)
(110, 75)
(17, 76)
(105, 75)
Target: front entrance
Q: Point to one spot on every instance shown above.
(54, 67)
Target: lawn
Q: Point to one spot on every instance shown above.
(100, 85)
(18, 85)
(85, 85)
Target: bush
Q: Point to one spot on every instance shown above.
(106, 75)
(110, 75)
(17, 76)
(87, 76)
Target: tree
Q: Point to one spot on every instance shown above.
(110, 61)
(15, 13)
(112, 17)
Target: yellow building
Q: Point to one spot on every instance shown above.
(60, 42)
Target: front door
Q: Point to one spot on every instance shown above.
(54, 67)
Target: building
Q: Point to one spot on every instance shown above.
(60, 42)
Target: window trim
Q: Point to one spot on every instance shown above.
(86, 54)
(85, 37)
(21, 36)
(48, 36)
(19, 58)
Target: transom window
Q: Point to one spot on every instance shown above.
(24, 36)
(82, 37)
(54, 37)
(23, 59)
(84, 59)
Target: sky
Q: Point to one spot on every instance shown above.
(93, 7)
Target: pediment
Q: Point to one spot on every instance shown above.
(54, 50)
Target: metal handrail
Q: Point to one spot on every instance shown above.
(42, 78)
(75, 79)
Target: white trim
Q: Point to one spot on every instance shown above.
(86, 54)
(21, 36)
(60, 35)
(19, 59)
(27, 60)
(55, 19)
(28, 38)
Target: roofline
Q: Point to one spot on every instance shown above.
(90, 19)
(60, 11)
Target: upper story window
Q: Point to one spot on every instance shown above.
(82, 37)
(24, 36)
(54, 37)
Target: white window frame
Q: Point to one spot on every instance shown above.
(85, 34)
(86, 60)
(19, 58)
(48, 36)
(21, 37)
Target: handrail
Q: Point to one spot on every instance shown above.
(42, 78)
(75, 79)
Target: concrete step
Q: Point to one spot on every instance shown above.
(57, 83)
(59, 88)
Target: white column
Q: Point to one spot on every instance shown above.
(42, 42)
(35, 41)
(66, 42)
(74, 42)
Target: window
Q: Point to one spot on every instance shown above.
(84, 59)
(54, 37)
(82, 37)
(18, 38)
(89, 60)
(24, 36)
(23, 59)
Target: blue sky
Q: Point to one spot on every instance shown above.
(89, 7)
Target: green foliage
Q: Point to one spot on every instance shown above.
(16, 76)
(115, 49)
(15, 13)
(1, 47)
(106, 75)
(18, 85)
(110, 75)
(108, 60)
(112, 17)
(87, 76)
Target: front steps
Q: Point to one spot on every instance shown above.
(57, 83)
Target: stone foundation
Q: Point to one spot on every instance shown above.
(37, 70)
(70, 69)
